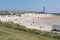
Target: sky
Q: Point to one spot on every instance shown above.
(51, 6)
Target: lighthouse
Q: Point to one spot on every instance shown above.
(43, 9)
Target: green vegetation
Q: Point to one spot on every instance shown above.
(15, 12)
(4, 12)
(11, 31)
(7, 12)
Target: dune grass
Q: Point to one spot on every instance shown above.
(10, 31)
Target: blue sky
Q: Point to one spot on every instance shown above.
(31, 5)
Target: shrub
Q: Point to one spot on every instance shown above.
(23, 28)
